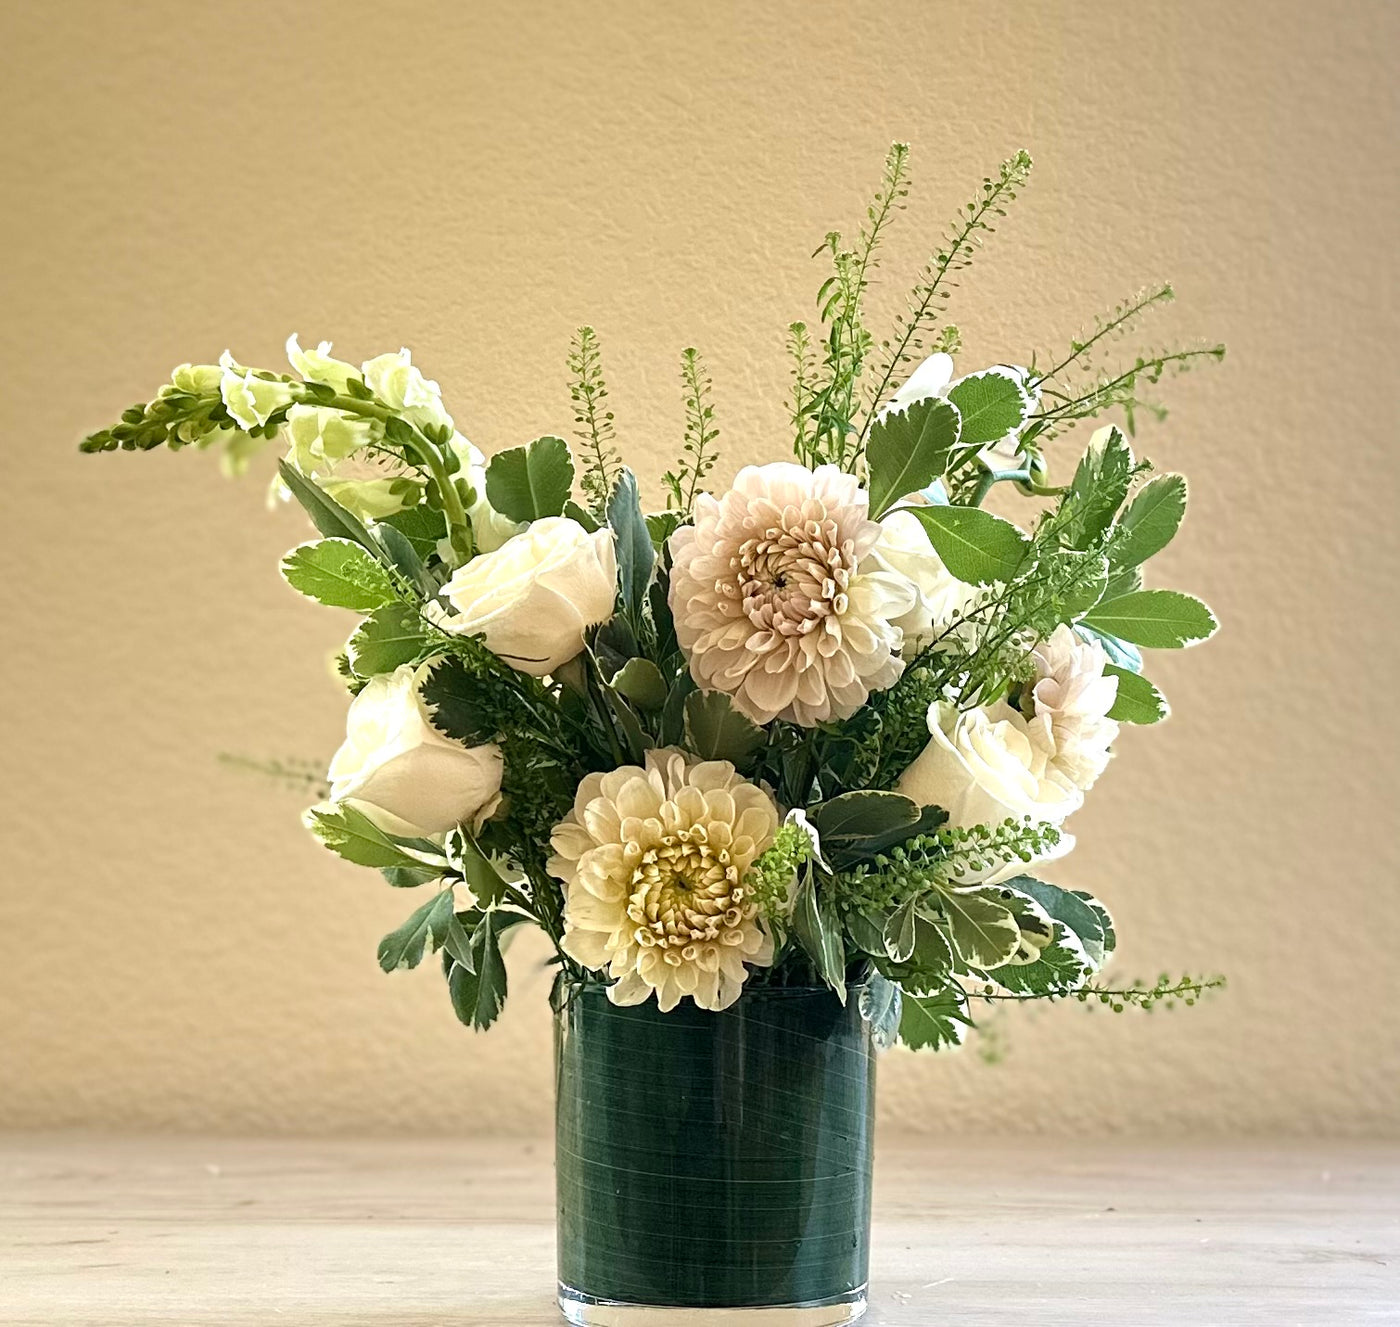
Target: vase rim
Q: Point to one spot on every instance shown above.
(591, 983)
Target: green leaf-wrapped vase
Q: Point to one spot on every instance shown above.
(714, 1161)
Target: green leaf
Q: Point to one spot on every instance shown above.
(422, 526)
(1151, 521)
(867, 933)
(975, 546)
(1155, 619)
(1126, 580)
(457, 940)
(899, 931)
(1061, 966)
(327, 515)
(819, 932)
(582, 515)
(661, 525)
(640, 681)
(635, 553)
(452, 697)
(1138, 700)
(862, 815)
(351, 834)
(858, 825)
(426, 926)
(485, 882)
(405, 558)
(1036, 928)
(629, 723)
(715, 730)
(982, 926)
(991, 404)
(880, 1004)
(530, 482)
(673, 713)
(1099, 487)
(409, 877)
(1110, 937)
(340, 573)
(932, 1022)
(388, 637)
(1120, 653)
(908, 449)
(478, 994)
(1083, 914)
(930, 963)
(1090, 581)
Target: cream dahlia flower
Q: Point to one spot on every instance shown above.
(777, 601)
(654, 863)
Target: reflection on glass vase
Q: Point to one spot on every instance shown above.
(714, 1168)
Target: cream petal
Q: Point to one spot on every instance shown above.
(587, 947)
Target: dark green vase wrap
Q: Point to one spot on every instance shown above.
(714, 1160)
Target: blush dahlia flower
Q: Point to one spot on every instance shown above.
(654, 863)
(777, 600)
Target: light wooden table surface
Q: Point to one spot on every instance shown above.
(1020, 1233)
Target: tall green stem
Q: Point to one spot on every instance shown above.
(459, 527)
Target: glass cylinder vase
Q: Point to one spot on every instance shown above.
(714, 1168)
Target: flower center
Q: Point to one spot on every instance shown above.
(791, 576)
(685, 893)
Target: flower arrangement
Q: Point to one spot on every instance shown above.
(824, 724)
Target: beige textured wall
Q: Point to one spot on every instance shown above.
(475, 180)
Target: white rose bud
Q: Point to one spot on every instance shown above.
(904, 549)
(536, 595)
(400, 385)
(249, 399)
(318, 366)
(407, 777)
(982, 767)
(333, 449)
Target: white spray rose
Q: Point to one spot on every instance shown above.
(983, 767)
(318, 366)
(249, 399)
(337, 452)
(536, 595)
(489, 528)
(1072, 697)
(398, 383)
(904, 549)
(401, 772)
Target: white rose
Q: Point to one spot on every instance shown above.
(318, 366)
(335, 450)
(536, 595)
(249, 399)
(406, 776)
(489, 528)
(400, 385)
(1072, 697)
(982, 767)
(904, 549)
